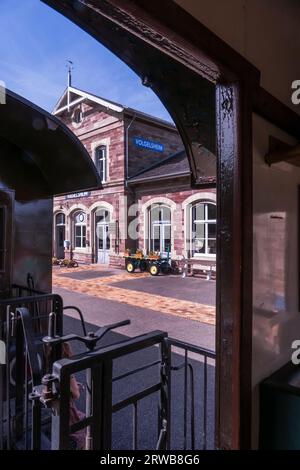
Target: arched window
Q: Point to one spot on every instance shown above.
(160, 228)
(101, 162)
(80, 230)
(203, 229)
(60, 219)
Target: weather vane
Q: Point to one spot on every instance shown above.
(70, 67)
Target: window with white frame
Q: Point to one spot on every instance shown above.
(160, 228)
(203, 229)
(101, 162)
(80, 229)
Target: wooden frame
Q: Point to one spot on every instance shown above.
(234, 175)
(166, 27)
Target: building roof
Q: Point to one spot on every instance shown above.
(172, 166)
(77, 96)
(43, 156)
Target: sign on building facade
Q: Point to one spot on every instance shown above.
(148, 144)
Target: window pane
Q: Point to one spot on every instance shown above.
(101, 162)
(212, 247)
(107, 238)
(199, 245)
(155, 214)
(100, 238)
(199, 230)
(166, 214)
(60, 219)
(167, 240)
(211, 230)
(80, 218)
(198, 212)
(102, 215)
(156, 238)
(212, 212)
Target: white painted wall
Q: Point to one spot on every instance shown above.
(266, 32)
(276, 318)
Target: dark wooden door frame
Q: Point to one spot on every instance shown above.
(167, 27)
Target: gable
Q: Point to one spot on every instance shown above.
(73, 96)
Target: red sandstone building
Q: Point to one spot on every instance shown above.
(147, 200)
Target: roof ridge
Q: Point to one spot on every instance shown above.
(127, 109)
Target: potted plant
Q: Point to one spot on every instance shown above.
(153, 255)
(139, 253)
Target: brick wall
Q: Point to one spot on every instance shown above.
(101, 128)
(109, 128)
(175, 192)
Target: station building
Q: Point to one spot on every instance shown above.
(147, 201)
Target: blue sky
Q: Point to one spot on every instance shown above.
(35, 43)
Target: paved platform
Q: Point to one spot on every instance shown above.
(189, 298)
(108, 296)
(99, 312)
(189, 288)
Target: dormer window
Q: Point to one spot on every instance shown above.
(101, 162)
(78, 116)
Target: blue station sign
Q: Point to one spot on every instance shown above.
(148, 144)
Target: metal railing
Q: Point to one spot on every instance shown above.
(184, 410)
(16, 373)
(196, 369)
(151, 391)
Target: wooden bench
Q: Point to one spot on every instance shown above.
(192, 266)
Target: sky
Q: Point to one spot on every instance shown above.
(36, 43)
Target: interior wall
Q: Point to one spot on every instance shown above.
(276, 317)
(266, 32)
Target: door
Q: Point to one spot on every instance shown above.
(103, 243)
(161, 238)
(60, 238)
(60, 224)
(6, 241)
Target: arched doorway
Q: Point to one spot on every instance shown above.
(208, 89)
(160, 229)
(60, 235)
(102, 235)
